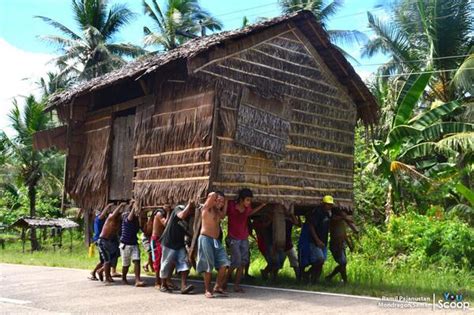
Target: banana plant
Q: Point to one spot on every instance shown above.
(415, 143)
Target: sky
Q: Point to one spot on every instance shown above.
(25, 58)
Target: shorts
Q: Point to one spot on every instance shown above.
(211, 254)
(146, 244)
(170, 258)
(239, 252)
(339, 255)
(129, 253)
(108, 250)
(156, 253)
(292, 257)
(316, 254)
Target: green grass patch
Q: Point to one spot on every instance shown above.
(366, 277)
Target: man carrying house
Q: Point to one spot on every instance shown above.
(129, 243)
(174, 250)
(108, 241)
(211, 253)
(99, 221)
(318, 226)
(238, 213)
(338, 240)
(159, 223)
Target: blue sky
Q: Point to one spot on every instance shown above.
(25, 56)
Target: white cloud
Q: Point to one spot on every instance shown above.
(19, 71)
(364, 74)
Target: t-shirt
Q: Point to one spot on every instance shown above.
(98, 225)
(174, 233)
(129, 230)
(238, 222)
(320, 219)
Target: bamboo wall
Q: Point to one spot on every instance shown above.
(173, 145)
(318, 155)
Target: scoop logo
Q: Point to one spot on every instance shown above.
(453, 301)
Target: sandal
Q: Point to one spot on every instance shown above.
(188, 289)
(209, 295)
(165, 289)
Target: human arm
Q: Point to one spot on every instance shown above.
(258, 209)
(104, 212)
(187, 211)
(118, 209)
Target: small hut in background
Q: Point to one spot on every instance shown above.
(56, 225)
(272, 107)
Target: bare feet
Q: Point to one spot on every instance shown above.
(101, 276)
(157, 286)
(140, 284)
(116, 275)
(221, 292)
(93, 277)
(109, 281)
(209, 295)
(171, 285)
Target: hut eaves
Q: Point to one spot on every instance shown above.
(28, 222)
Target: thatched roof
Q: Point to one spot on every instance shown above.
(28, 222)
(305, 20)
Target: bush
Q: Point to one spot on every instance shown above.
(421, 242)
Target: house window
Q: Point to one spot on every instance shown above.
(262, 125)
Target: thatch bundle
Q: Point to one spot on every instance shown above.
(90, 187)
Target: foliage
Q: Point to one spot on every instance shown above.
(15, 204)
(426, 34)
(421, 242)
(178, 22)
(92, 53)
(323, 11)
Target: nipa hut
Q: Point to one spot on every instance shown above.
(271, 107)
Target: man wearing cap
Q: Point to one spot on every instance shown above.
(318, 225)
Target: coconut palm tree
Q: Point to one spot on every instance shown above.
(426, 34)
(179, 21)
(27, 164)
(92, 52)
(323, 11)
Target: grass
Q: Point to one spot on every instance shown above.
(365, 277)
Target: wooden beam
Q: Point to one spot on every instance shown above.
(172, 152)
(148, 99)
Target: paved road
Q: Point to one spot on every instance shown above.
(45, 290)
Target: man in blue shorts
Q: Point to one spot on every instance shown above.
(318, 223)
(211, 253)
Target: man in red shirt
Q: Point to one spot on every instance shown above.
(238, 233)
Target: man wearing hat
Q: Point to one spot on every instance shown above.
(318, 226)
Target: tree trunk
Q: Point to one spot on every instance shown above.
(32, 199)
(389, 204)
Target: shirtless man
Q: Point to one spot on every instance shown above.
(159, 224)
(211, 253)
(108, 241)
(338, 240)
(98, 224)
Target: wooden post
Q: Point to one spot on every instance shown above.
(23, 238)
(87, 228)
(70, 234)
(279, 227)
